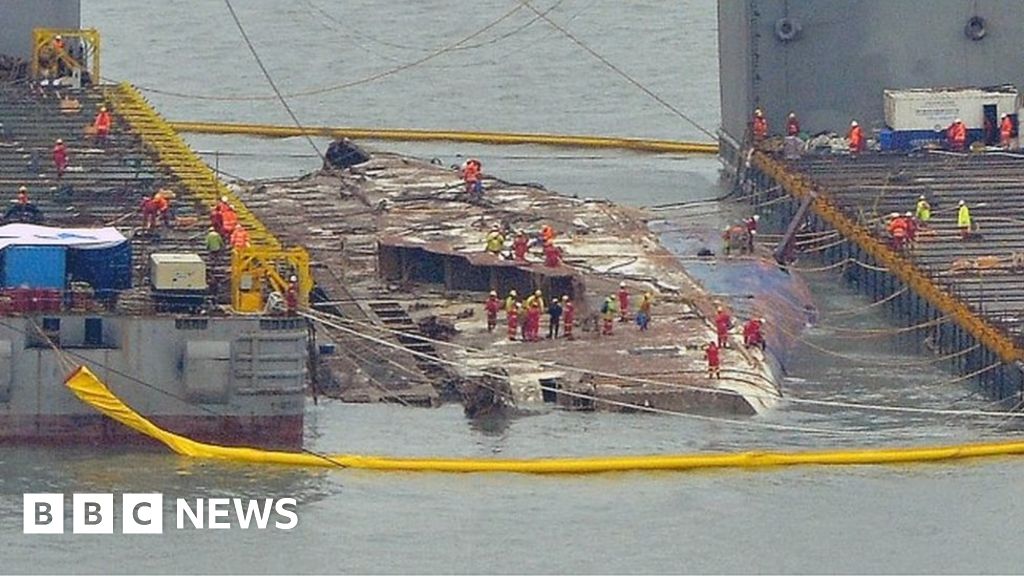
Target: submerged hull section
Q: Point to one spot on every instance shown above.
(229, 380)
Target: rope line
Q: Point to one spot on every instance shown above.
(343, 85)
(270, 80)
(319, 317)
(619, 71)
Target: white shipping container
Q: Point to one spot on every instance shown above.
(177, 271)
(937, 108)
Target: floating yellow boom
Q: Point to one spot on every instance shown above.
(276, 131)
(95, 393)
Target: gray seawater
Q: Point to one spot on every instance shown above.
(946, 518)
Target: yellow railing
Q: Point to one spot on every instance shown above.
(798, 186)
(173, 153)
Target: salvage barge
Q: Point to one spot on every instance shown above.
(398, 249)
(970, 290)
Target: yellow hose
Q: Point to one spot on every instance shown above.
(275, 131)
(95, 393)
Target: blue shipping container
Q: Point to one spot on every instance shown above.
(34, 267)
(105, 269)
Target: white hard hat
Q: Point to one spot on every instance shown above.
(908, 213)
(293, 278)
(622, 284)
(493, 293)
(512, 293)
(565, 297)
(757, 216)
(224, 199)
(921, 197)
(957, 121)
(853, 123)
(1003, 115)
(961, 203)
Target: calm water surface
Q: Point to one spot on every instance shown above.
(526, 77)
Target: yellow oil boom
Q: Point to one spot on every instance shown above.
(60, 52)
(257, 271)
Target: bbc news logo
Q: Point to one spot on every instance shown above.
(144, 513)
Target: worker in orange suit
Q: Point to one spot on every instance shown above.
(547, 233)
(102, 125)
(759, 125)
(792, 125)
(162, 205)
(856, 138)
(897, 232)
(568, 316)
(1005, 131)
(60, 158)
(240, 237)
(723, 322)
(711, 353)
(492, 306)
(956, 136)
(148, 209)
(228, 222)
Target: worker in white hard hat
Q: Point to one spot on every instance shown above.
(752, 334)
(291, 296)
(491, 306)
(856, 138)
(923, 212)
(956, 136)
(623, 297)
(963, 220)
(759, 125)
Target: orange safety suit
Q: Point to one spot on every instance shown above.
(240, 238)
(1005, 132)
(102, 124)
(856, 137)
(957, 136)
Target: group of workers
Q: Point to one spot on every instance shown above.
(521, 243)
(472, 176)
(903, 228)
(753, 337)
(955, 133)
(225, 229)
(523, 318)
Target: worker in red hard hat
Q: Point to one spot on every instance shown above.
(956, 136)
(856, 138)
(1005, 131)
(492, 306)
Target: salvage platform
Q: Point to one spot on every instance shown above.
(971, 290)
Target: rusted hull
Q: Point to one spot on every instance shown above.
(280, 432)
